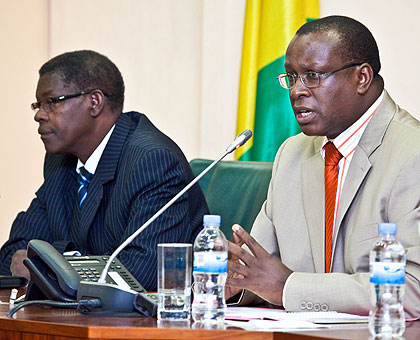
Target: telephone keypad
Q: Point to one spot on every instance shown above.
(90, 274)
(90, 268)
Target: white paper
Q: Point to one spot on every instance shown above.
(255, 313)
(271, 325)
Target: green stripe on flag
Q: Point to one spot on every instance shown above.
(274, 118)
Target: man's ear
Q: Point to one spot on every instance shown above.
(97, 99)
(365, 77)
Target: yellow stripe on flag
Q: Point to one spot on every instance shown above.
(249, 71)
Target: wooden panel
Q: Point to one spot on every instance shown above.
(32, 336)
(5, 335)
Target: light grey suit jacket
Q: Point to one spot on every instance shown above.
(382, 185)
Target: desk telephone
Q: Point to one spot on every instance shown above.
(56, 277)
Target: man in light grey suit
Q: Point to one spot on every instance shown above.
(337, 95)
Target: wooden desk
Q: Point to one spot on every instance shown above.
(44, 323)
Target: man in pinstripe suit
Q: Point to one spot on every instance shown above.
(136, 170)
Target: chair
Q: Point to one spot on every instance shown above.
(235, 190)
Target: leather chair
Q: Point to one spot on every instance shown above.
(235, 190)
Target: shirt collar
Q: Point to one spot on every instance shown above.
(93, 160)
(347, 141)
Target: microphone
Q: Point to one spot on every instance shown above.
(116, 300)
(240, 140)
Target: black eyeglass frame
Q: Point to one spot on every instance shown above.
(320, 76)
(53, 100)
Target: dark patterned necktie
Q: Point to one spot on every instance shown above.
(84, 179)
(332, 157)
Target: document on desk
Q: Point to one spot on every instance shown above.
(274, 325)
(255, 313)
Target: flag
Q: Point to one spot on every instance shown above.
(264, 106)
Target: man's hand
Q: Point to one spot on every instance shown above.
(261, 274)
(17, 267)
(232, 290)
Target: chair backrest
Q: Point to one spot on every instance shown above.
(234, 190)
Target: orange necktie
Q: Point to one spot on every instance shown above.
(332, 157)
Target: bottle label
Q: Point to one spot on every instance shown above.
(387, 272)
(210, 262)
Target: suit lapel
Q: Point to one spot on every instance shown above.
(313, 203)
(105, 173)
(360, 164)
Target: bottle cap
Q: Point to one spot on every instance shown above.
(387, 228)
(212, 220)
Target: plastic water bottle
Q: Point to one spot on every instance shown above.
(210, 272)
(387, 279)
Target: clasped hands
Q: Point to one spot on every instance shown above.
(259, 272)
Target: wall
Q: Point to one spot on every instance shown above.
(24, 41)
(180, 61)
(395, 27)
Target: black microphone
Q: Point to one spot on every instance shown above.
(116, 300)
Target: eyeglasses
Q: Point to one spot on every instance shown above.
(310, 79)
(48, 104)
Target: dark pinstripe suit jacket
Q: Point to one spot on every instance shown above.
(140, 170)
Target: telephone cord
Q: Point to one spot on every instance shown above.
(85, 303)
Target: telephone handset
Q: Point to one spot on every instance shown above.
(52, 277)
(55, 277)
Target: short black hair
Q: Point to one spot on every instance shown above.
(89, 70)
(357, 44)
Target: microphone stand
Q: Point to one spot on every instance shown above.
(116, 300)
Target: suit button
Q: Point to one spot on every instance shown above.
(309, 305)
(302, 305)
(324, 307)
(317, 307)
